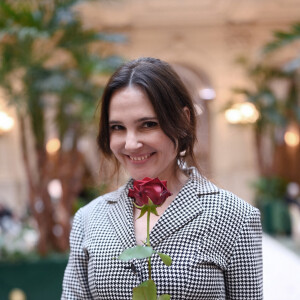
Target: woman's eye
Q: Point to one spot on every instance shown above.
(150, 124)
(116, 127)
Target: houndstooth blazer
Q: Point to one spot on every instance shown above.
(213, 237)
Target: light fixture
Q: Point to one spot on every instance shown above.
(242, 113)
(6, 122)
(233, 116)
(291, 137)
(53, 145)
(207, 94)
(55, 188)
(17, 294)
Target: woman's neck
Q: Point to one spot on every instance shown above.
(175, 183)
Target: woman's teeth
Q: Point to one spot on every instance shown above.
(136, 158)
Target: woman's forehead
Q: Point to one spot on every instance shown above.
(130, 101)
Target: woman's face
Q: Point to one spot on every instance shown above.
(136, 138)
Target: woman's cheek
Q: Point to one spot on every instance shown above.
(114, 143)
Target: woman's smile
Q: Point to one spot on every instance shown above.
(140, 158)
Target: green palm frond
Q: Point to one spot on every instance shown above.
(283, 38)
(33, 36)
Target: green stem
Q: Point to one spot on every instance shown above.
(148, 241)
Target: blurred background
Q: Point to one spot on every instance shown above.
(240, 60)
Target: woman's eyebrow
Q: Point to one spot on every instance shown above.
(112, 122)
(146, 119)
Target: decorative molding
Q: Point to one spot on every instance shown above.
(178, 13)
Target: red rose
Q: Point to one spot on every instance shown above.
(155, 189)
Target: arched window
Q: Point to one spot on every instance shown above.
(200, 88)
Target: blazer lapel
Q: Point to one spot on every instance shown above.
(188, 204)
(121, 216)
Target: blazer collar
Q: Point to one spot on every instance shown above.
(188, 204)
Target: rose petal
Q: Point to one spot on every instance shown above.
(153, 188)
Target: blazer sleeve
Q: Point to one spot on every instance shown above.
(75, 282)
(244, 275)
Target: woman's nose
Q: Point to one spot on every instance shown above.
(132, 141)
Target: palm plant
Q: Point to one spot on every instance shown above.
(283, 39)
(49, 64)
(276, 95)
(276, 114)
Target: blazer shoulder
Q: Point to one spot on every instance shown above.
(232, 221)
(235, 207)
(100, 204)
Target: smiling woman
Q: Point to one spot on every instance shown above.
(148, 127)
(155, 82)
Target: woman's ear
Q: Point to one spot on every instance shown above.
(187, 113)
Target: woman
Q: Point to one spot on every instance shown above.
(214, 238)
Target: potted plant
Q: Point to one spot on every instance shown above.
(50, 65)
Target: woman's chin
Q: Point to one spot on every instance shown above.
(142, 175)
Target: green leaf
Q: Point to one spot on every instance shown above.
(152, 207)
(144, 209)
(153, 210)
(145, 291)
(167, 260)
(138, 252)
(164, 297)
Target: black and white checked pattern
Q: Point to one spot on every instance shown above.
(213, 237)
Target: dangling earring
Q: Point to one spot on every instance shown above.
(181, 160)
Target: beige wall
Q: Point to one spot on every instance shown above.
(208, 48)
